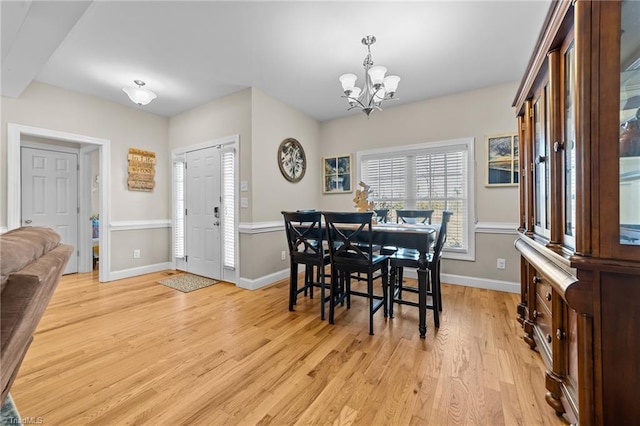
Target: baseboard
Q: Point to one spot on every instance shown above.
(141, 270)
(266, 280)
(489, 284)
(463, 280)
(486, 283)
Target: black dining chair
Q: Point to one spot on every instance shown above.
(381, 215)
(350, 241)
(408, 258)
(414, 216)
(305, 240)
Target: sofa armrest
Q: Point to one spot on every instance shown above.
(24, 300)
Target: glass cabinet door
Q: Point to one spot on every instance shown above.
(569, 145)
(541, 170)
(630, 124)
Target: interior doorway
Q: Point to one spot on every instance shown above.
(50, 195)
(19, 135)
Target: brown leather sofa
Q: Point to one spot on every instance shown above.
(31, 263)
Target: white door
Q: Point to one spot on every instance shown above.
(50, 194)
(203, 213)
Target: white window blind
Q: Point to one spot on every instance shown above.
(178, 237)
(427, 176)
(229, 203)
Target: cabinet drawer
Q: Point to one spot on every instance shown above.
(543, 290)
(544, 325)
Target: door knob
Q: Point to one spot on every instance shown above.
(216, 223)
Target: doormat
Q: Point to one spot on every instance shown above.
(9, 414)
(188, 282)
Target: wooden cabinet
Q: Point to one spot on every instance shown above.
(578, 112)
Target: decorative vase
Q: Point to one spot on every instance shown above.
(630, 139)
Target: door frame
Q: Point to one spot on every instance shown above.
(228, 141)
(15, 132)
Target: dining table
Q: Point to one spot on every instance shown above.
(420, 237)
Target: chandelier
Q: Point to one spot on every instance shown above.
(139, 94)
(377, 87)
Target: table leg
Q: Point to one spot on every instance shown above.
(422, 293)
(422, 301)
(391, 290)
(293, 285)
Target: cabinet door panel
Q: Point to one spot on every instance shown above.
(569, 142)
(541, 160)
(630, 124)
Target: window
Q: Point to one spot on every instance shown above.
(178, 230)
(434, 176)
(228, 208)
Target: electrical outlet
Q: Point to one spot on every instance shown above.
(501, 264)
(136, 254)
(283, 255)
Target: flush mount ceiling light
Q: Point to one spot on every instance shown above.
(377, 87)
(139, 95)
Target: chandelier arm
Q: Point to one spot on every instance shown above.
(355, 100)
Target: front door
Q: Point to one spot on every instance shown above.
(203, 213)
(50, 194)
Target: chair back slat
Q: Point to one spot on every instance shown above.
(442, 234)
(414, 216)
(304, 233)
(381, 215)
(349, 237)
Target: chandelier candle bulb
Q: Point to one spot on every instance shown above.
(377, 75)
(377, 88)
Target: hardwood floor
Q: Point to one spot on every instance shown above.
(136, 352)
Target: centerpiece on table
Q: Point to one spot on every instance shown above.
(362, 198)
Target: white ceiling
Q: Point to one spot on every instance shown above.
(192, 52)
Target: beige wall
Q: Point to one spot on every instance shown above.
(262, 123)
(224, 117)
(476, 114)
(53, 108)
(273, 122)
(153, 244)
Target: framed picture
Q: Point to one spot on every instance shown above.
(502, 160)
(336, 174)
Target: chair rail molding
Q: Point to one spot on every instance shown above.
(140, 224)
(260, 227)
(496, 228)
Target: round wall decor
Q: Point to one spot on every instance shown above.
(292, 160)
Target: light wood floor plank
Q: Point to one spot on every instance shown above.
(136, 352)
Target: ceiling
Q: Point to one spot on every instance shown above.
(192, 52)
